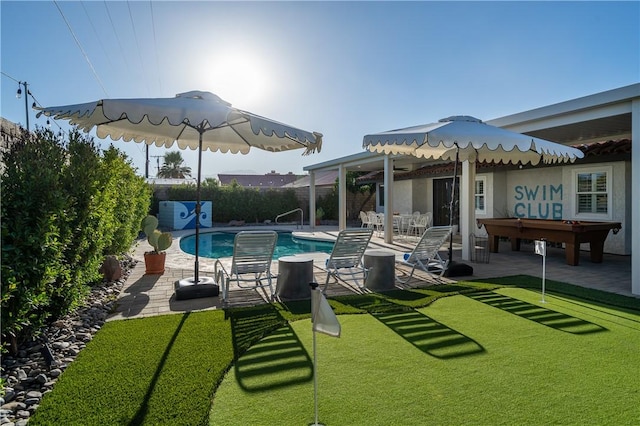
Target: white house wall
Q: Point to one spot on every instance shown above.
(537, 194)
(495, 199)
(402, 191)
(411, 195)
(422, 193)
(548, 193)
(628, 210)
(498, 203)
(615, 243)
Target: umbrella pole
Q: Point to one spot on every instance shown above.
(197, 263)
(190, 288)
(453, 196)
(455, 269)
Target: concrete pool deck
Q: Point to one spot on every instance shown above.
(149, 295)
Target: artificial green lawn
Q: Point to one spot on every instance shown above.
(497, 357)
(150, 371)
(483, 358)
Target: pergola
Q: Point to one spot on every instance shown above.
(614, 114)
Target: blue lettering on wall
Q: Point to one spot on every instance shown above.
(532, 194)
(537, 205)
(519, 194)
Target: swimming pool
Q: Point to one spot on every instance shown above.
(220, 244)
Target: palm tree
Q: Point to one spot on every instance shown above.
(173, 168)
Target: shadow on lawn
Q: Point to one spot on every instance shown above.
(267, 352)
(423, 332)
(547, 317)
(138, 419)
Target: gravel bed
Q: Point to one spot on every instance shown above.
(39, 363)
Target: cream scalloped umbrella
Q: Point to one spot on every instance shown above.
(195, 120)
(470, 139)
(465, 138)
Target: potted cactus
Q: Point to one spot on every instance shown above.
(160, 241)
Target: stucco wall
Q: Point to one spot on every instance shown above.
(548, 193)
(402, 191)
(423, 195)
(495, 198)
(537, 194)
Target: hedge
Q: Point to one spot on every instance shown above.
(65, 205)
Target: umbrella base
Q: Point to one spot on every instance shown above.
(456, 269)
(189, 289)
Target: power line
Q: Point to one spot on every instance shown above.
(81, 49)
(8, 76)
(95, 31)
(135, 36)
(113, 27)
(35, 100)
(155, 44)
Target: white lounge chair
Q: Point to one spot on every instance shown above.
(346, 256)
(251, 264)
(425, 254)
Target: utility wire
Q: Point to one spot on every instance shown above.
(155, 45)
(8, 76)
(135, 36)
(81, 49)
(113, 27)
(95, 31)
(30, 93)
(48, 120)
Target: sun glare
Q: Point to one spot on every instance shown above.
(239, 77)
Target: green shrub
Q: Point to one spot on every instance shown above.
(64, 207)
(132, 195)
(35, 231)
(329, 205)
(235, 202)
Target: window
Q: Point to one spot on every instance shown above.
(593, 192)
(480, 195)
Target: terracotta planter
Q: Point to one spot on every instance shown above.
(154, 263)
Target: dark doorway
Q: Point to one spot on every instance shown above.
(442, 200)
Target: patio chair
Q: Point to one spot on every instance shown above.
(366, 221)
(251, 263)
(425, 254)
(346, 256)
(377, 221)
(419, 224)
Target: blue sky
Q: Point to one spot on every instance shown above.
(344, 69)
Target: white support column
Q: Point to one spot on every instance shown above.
(342, 197)
(388, 199)
(312, 199)
(635, 196)
(467, 206)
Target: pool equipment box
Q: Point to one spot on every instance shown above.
(177, 215)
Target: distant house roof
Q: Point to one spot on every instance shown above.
(593, 152)
(322, 178)
(269, 180)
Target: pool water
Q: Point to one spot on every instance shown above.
(220, 244)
